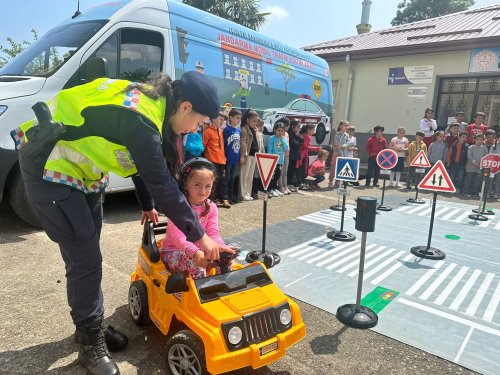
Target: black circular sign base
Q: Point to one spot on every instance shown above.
(384, 208)
(361, 317)
(428, 253)
(483, 212)
(417, 201)
(337, 207)
(478, 217)
(341, 236)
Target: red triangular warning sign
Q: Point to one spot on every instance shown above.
(266, 164)
(437, 179)
(420, 160)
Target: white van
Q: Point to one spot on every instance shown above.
(133, 39)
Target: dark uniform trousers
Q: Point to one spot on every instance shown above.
(73, 220)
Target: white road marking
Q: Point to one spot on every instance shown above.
(374, 270)
(391, 270)
(424, 278)
(322, 239)
(461, 217)
(349, 257)
(329, 252)
(451, 285)
(449, 215)
(471, 310)
(427, 293)
(373, 261)
(492, 306)
(296, 281)
(464, 344)
(341, 254)
(465, 290)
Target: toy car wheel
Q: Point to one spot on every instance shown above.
(185, 354)
(138, 302)
(320, 133)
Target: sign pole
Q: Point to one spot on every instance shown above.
(383, 207)
(341, 235)
(478, 213)
(338, 206)
(484, 195)
(429, 252)
(416, 199)
(264, 219)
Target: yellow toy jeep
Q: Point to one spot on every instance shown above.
(215, 324)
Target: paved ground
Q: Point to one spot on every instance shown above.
(36, 335)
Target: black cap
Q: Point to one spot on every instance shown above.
(202, 93)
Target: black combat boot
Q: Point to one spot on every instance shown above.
(93, 353)
(115, 340)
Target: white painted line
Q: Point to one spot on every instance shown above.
(465, 290)
(457, 319)
(296, 281)
(403, 208)
(327, 223)
(424, 278)
(377, 268)
(391, 270)
(329, 252)
(441, 210)
(492, 306)
(449, 215)
(486, 223)
(451, 285)
(348, 258)
(461, 217)
(426, 212)
(471, 310)
(339, 255)
(416, 209)
(355, 263)
(464, 344)
(373, 261)
(427, 293)
(322, 239)
(302, 251)
(310, 254)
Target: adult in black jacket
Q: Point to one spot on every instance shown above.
(295, 142)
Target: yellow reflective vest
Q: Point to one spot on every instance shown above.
(84, 163)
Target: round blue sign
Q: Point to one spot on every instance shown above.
(387, 159)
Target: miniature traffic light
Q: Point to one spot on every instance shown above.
(486, 172)
(366, 210)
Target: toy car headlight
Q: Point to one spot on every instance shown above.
(285, 316)
(235, 335)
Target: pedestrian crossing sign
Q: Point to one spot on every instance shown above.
(437, 179)
(347, 169)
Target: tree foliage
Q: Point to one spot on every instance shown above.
(243, 12)
(12, 48)
(417, 10)
(287, 74)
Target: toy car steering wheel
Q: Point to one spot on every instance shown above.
(225, 259)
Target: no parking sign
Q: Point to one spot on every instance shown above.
(387, 159)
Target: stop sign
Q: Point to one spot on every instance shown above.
(491, 161)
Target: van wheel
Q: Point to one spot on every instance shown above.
(320, 133)
(20, 205)
(185, 354)
(138, 302)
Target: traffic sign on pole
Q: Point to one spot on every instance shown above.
(347, 169)
(491, 162)
(420, 161)
(387, 159)
(437, 179)
(266, 164)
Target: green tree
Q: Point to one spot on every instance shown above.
(417, 10)
(12, 48)
(243, 12)
(287, 74)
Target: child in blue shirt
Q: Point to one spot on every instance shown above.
(278, 145)
(232, 134)
(193, 145)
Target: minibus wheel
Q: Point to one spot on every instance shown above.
(20, 205)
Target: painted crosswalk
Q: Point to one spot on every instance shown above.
(450, 213)
(460, 289)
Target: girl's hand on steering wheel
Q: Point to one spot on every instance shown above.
(212, 248)
(151, 215)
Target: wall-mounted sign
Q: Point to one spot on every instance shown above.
(417, 92)
(484, 60)
(410, 75)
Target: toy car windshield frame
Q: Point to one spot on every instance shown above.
(214, 287)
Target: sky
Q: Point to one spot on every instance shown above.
(298, 23)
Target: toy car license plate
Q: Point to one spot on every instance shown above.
(268, 348)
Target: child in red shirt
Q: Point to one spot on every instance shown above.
(318, 169)
(476, 128)
(376, 143)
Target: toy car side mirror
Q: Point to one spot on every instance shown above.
(176, 283)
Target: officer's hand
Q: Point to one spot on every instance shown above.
(151, 215)
(212, 248)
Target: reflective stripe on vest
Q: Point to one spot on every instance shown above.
(84, 163)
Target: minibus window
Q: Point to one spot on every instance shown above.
(109, 51)
(47, 54)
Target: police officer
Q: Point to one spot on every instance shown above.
(129, 129)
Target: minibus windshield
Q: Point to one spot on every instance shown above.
(50, 52)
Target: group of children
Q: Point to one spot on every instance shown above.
(460, 147)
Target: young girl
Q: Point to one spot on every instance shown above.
(318, 169)
(306, 132)
(400, 145)
(248, 148)
(277, 145)
(341, 147)
(295, 143)
(283, 181)
(438, 150)
(197, 178)
(428, 125)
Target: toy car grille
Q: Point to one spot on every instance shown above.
(261, 326)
